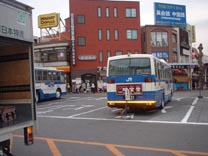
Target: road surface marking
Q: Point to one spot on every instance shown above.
(86, 112)
(121, 120)
(53, 147)
(112, 147)
(114, 150)
(39, 112)
(188, 114)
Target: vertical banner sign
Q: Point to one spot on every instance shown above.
(73, 40)
(193, 34)
(170, 14)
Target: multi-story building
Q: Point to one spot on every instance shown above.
(100, 29)
(173, 45)
(161, 41)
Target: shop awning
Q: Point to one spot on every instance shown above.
(182, 79)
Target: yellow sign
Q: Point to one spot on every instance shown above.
(48, 20)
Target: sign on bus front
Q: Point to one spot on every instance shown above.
(133, 88)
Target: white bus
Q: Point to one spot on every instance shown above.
(145, 79)
(50, 83)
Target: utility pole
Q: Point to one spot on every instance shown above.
(200, 70)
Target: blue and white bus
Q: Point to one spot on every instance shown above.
(145, 79)
(50, 83)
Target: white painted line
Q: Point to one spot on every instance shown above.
(86, 112)
(44, 112)
(54, 107)
(188, 114)
(195, 101)
(121, 120)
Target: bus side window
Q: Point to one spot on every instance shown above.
(58, 76)
(50, 75)
(63, 76)
(45, 75)
(38, 75)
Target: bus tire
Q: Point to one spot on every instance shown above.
(170, 99)
(37, 97)
(58, 93)
(162, 105)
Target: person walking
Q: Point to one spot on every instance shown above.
(93, 87)
(68, 88)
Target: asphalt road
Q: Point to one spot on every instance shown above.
(82, 125)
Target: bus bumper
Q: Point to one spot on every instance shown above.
(132, 104)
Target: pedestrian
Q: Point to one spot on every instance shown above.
(93, 87)
(83, 87)
(68, 88)
(78, 87)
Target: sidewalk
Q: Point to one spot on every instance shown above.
(193, 93)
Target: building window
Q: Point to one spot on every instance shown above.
(101, 56)
(108, 34)
(118, 53)
(37, 56)
(109, 53)
(116, 34)
(55, 55)
(100, 36)
(107, 12)
(81, 41)
(115, 12)
(131, 34)
(99, 12)
(159, 39)
(175, 57)
(130, 12)
(80, 19)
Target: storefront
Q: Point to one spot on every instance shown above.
(182, 75)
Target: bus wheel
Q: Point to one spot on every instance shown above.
(170, 97)
(58, 93)
(162, 103)
(37, 96)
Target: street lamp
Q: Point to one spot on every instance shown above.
(200, 69)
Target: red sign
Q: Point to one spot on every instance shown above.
(133, 88)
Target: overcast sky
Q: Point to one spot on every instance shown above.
(196, 14)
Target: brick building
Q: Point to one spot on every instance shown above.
(100, 29)
(160, 41)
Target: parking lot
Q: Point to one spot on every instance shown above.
(185, 108)
(82, 123)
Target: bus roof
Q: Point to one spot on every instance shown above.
(48, 68)
(136, 56)
(131, 55)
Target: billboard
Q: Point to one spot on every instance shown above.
(170, 14)
(18, 25)
(48, 20)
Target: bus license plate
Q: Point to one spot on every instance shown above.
(133, 88)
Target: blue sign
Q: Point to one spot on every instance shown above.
(161, 54)
(170, 14)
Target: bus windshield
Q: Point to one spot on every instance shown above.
(129, 66)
